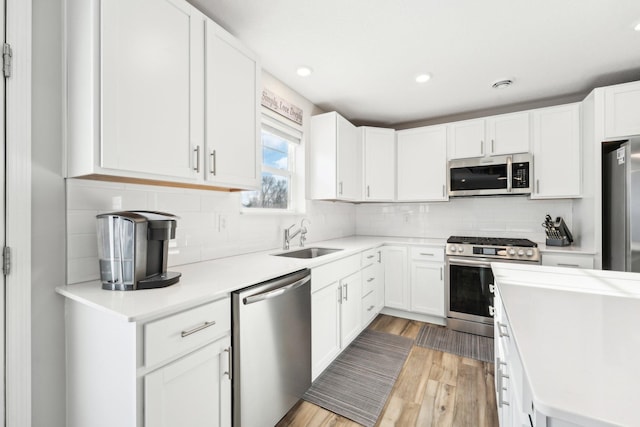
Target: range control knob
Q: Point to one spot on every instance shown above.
(529, 252)
(452, 248)
(460, 249)
(511, 251)
(520, 252)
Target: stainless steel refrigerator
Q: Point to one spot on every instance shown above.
(621, 206)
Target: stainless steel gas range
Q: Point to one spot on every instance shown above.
(469, 280)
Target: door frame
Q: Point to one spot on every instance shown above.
(18, 216)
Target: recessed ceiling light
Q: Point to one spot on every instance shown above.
(304, 71)
(502, 84)
(422, 78)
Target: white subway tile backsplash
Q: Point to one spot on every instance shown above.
(210, 225)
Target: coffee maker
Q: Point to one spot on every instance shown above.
(133, 249)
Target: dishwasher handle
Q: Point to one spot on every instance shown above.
(276, 292)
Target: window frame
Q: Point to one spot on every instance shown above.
(293, 136)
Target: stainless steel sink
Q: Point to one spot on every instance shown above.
(308, 253)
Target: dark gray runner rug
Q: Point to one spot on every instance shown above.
(460, 343)
(357, 384)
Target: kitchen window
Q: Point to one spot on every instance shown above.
(278, 184)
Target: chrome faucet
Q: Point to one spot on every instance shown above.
(288, 235)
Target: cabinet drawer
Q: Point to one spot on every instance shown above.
(185, 331)
(370, 256)
(568, 260)
(327, 274)
(427, 253)
(370, 277)
(369, 308)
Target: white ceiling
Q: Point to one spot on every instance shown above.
(366, 53)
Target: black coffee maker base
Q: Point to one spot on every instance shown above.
(156, 281)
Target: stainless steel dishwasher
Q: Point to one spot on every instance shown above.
(271, 335)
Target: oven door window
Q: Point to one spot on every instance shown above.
(469, 290)
(490, 177)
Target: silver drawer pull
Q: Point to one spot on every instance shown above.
(370, 256)
(568, 265)
(229, 370)
(426, 254)
(370, 308)
(197, 328)
(371, 279)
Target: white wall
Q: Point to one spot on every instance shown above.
(507, 216)
(48, 218)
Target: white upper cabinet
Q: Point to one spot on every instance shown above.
(379, 163)
(490, 136)
(467, 139)
(508, 134)
(422, 164)
(556, 152)
(136, 94)
(335, 159)
(622, 110)
(232, 115)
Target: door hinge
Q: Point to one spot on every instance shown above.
(7, 55)
(6, 260)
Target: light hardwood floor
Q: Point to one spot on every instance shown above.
(433, 389)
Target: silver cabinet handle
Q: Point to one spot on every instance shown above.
(509, 174)
(197, 328)
(229, 371)
(492, 311)
(501, 387)
(441, 272)
(379, 256)
(346, 291)
(502, 333)
(568, 265)
(340, 186)
(368, 191)
(537, 186)
(213, 162)
(492, 148)
(370, 308)
(426, 254)
(339, 294)
(370, 256)
(443, 190)
(492, 289)
(481, 148)
(197, 165)
(371, 279)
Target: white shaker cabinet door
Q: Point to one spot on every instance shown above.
(193, 391)
(351, 310)
(349, 177)
(557, 159)
(422, 164)
(396, 284)
(508, 134)
(427, 288)
(622, 110)
(232, 120)
(325, 327)
(466, 139)
(151, 73)
(379, 163)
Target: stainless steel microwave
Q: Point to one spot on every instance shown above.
(487, 176)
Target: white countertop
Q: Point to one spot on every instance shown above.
(576, 334)
(210, 280)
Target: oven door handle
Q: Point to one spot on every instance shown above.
(473, 262)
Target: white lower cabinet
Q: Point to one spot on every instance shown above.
(172, 371)
(335, 310)
(427, 288)
(396, 285)
(568, 260)
(170, 397)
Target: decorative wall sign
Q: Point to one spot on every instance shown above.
(281, 106)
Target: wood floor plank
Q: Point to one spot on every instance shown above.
(434, 389)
